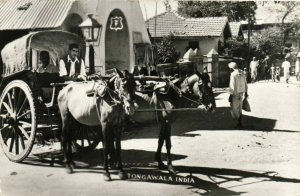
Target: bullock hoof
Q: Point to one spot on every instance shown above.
(171, 169)
(72, 165)
(107, 177)
(122, 175)
(161, 165)
(69, 169)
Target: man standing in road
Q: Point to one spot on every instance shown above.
(253, 69)
(237, 88)
(72, 67)
(286, 69)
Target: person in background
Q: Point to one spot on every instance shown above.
(71, 67)
(46, 66)
(253, 69)
(297, 67)
(246, 73)
(153, 71)
(286, 69)
(277, 73)
(140, 70)
(265, 69)
(273, 72)
(238, 89)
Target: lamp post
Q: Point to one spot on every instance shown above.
(91, 29)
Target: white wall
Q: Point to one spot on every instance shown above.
(205, 45)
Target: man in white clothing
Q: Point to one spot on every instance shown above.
(286, 69)
(71, 67)
(237, 88)
(253, 69)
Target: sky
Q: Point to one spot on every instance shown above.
(148, 7)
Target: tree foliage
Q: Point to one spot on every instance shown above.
(287, 28)
(234, 10)
(267, 42)
(166, 50)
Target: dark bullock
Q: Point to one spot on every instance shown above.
(108, 107)
(193, 92)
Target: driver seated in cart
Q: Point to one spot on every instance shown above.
(71, 67)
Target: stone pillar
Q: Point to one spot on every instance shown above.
(213, 67)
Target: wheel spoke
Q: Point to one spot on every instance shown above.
(25, 123)
(17, 143)
(87, 137)
(82, 142)
(9, 101)
(5, 127)
(22, 106)
(24, 132)
(24, 114)
(5, 138)
(22, 142)
(14, 96)
(8, 108)
(19, 99)
(81, 136)
(12, 141)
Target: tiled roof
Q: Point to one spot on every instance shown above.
(171, 22)
(235, 28)
(33, 14)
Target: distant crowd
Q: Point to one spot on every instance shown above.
(266, 70)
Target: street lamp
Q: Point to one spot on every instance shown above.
(90, 28)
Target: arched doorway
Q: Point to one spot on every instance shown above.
(117, 41)
(71, 24)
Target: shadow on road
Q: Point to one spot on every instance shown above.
(140, 166)
(185, 122)
(189, 176)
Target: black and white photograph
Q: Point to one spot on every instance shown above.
(149, 97)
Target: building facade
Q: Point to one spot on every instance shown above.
(122, 22)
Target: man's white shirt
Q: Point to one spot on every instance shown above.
(63, 70)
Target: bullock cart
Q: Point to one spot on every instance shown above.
(25, 110)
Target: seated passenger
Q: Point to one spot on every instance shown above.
(46, 66)
(47, 73)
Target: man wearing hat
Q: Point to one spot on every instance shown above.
(72, 67)
(237, 89)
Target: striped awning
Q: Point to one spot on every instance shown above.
(33, 14)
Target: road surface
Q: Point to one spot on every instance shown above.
(209, 155)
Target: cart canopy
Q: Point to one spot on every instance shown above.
(18, 55)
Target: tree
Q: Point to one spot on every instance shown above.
(235, 11)
(266, 43)
(289, 9)
(166, 50)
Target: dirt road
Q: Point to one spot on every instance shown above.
(211, 157)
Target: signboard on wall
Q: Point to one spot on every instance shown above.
(116, 23)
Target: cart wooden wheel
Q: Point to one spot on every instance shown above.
(18, 120)
(86, 138)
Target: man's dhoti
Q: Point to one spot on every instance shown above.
(236, 106)
(253, 75)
